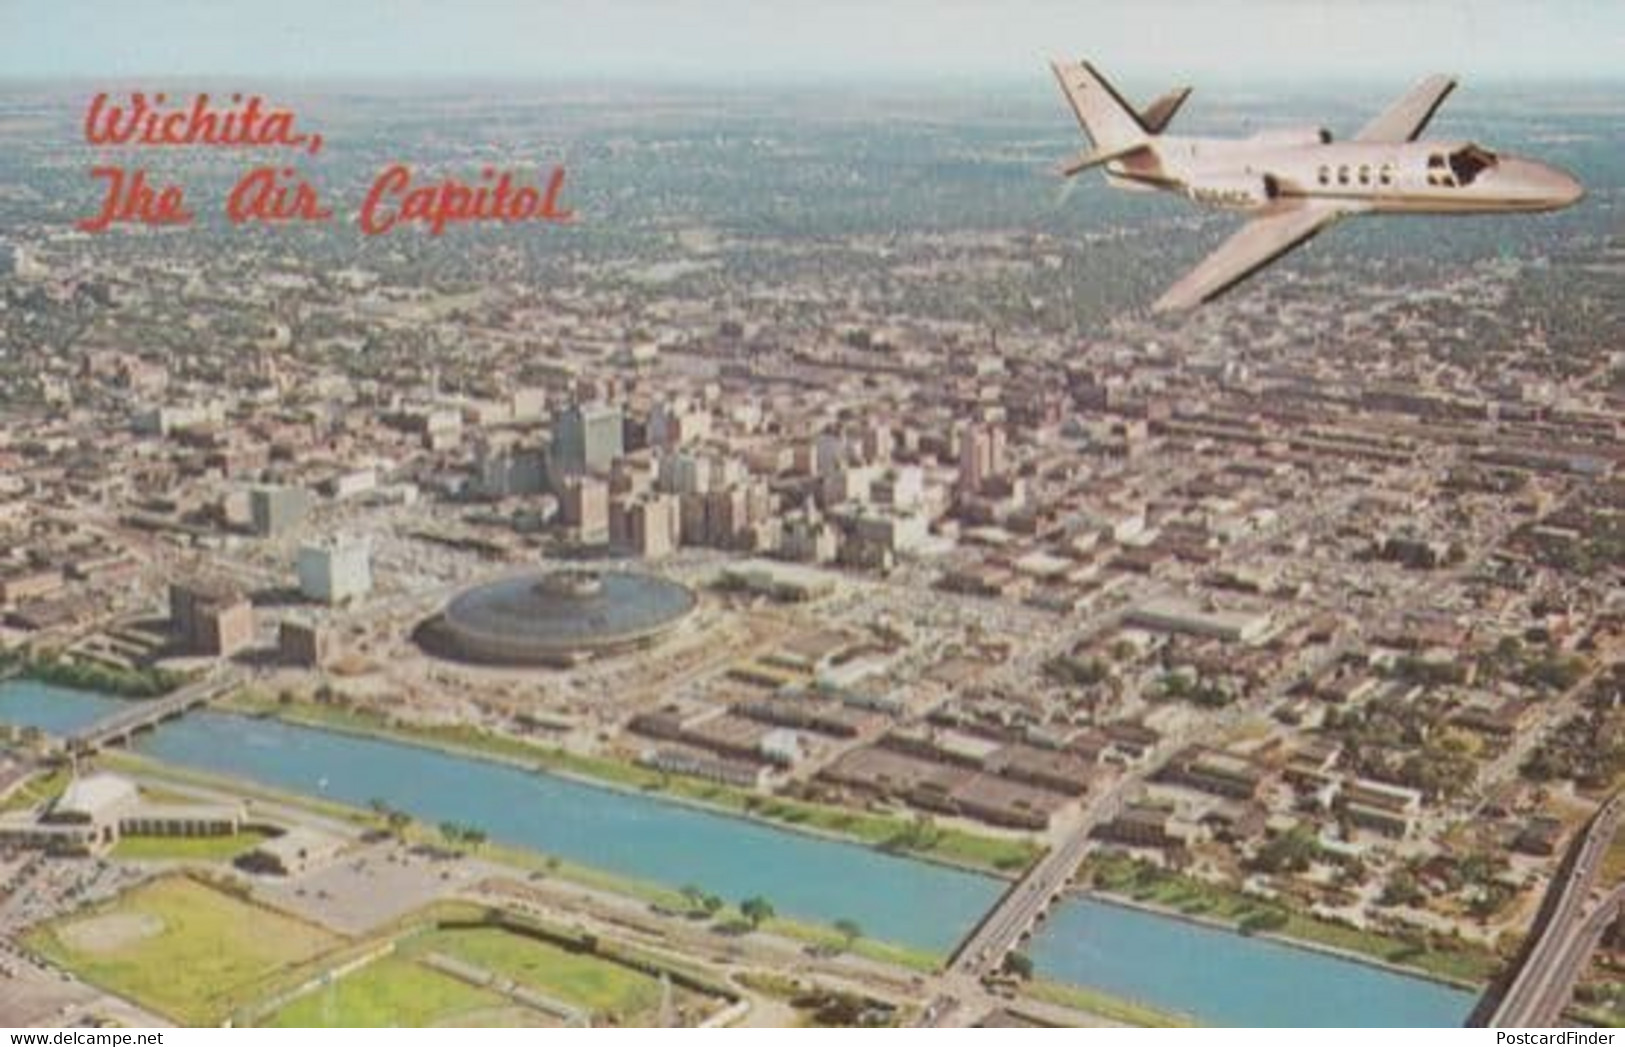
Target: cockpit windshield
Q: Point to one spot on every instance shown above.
(1470, 161)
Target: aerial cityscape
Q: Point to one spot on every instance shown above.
(802, 582)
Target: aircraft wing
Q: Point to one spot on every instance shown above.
(1406, 118)
(1249, 249)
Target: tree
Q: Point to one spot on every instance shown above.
(1402, 889)
(755, 910)
(1019, 964)
(849, 931)
(1293, 851)
(712, 904)
(694, 895)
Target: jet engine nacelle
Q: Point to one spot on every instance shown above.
(1294, 136)
(1236, 193)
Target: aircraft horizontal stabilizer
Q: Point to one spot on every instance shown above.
(1093, 158)
(1157, 115)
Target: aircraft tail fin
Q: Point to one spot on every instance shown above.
(1112, 124)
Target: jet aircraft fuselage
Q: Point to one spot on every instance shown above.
(1296, 182)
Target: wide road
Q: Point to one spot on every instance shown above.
(1543, 983)
(1018, 910)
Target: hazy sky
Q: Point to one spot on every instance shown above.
(754, 39)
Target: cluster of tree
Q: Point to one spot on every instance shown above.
(1601, 548)
(920, 834)
(1077, 672)
(1441, 771)
(1586, 749)
(1491, 899)
(702, 901)
(1209, 694)
(756, 909)
(831, 1009)
(1539, 666)
(1263, 921)
(458, 833)
(1428, 672)
(1293, 851)
(93, 676)
(1402, 888)
(1399, 742)
(395, 819)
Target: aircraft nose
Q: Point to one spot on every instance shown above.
(1566, 189)
(1546, 186)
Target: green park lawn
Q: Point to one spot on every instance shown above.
(603, 987)
(37, 790)
(187, 848)
(180, 947)
(394, 992)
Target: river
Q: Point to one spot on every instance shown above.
(1219, 977)
(1211, 975)
(896, 899)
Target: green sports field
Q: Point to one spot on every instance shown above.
(399, 992)
(180, 947)
(404, 989)
(603, 988)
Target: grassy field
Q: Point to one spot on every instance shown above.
(180, 947)
(398, 992)
(404, 988)
(1104, 1005)
(1117, 874)
(187, 848)
(987, 852)
(606, 989)
(37, 790)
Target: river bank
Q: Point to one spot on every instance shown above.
(999, 856)
(1308, 945)
(1124, 880)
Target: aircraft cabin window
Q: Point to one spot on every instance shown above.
(1325, 175)
(1386, 174)
(1468, 162)
(1365, 174)
(1343, 175)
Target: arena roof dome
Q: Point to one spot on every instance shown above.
(542, 618)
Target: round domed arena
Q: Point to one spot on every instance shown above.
(553, 618)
